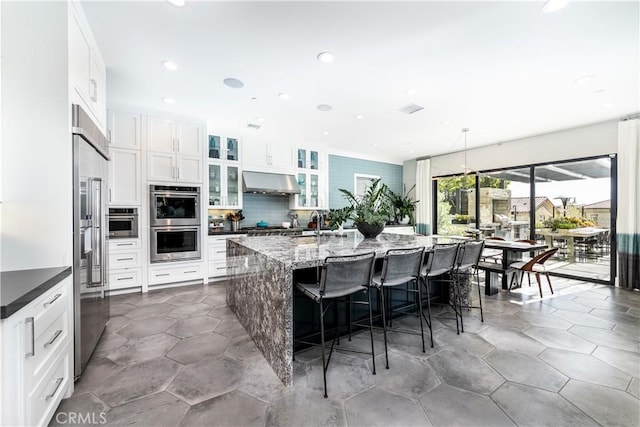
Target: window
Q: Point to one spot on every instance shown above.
(361, 182)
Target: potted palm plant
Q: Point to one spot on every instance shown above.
(371, 210)
(404, 207)
(337, 217)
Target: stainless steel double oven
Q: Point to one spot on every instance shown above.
(174, 223)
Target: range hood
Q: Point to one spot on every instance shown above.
(269, 183)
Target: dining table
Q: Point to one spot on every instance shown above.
(512, 251)
(570, 236)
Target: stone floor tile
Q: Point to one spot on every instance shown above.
(537, 307)
(216, 288)
(529, 406)
(136, 381)
(207, 378)
(617, 317)
(186, 299)
(346, 377)
(107, 344)
(391, 410)
(141, 349)
(585, 368)
(605, 405)
(468, 342)
(191, 310)
(567, 304)
(545, 320)
(584, 319)
(158, 410)
(243, 349)
(151, 310)
(195, 348)
(304, 409)
(513, 321)
(625, 329)
(607, 338)
(560, 339)
(406, 375)
(625, 361)
(634, 388)
(261, 382)
(86, 407)
(231, 328)
(96, 372)
(600, 303)
(230, 409)
(412, 344)
(524, 369)
(120, 309)
(449, 406)
(222, 312)
(512, 340)
(115, 323)
(216, 300)
(151, 298)
(466, 372)
(361, 342)
(193, 326)
(145, 327)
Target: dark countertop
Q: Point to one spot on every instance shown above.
(19, 287)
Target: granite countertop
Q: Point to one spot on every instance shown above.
(307, 251)
(19, 287)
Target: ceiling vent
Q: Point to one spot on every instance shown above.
(411, 108)
(254, 126)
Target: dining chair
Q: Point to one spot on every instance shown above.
(494, 255)
(340, 278)
(399, 267)
(534, 265)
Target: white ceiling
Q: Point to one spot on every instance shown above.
(505, 70)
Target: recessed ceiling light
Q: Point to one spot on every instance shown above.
(551, 6)
(602, 90)
(411, 92)
(375, 144)
(325, 57)
(259, 119)
(445, 122)
(168, 100)
(169, 65)
(234, 83)
(359, 116)
(178, 3)
(324, 107)
(325, 133)
(253, 98)
(410, 151)
(283, 95)
(584, 79)
(607, 105)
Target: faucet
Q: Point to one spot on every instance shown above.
(318, 215)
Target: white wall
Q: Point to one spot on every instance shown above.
(591, 140)
(36, 227)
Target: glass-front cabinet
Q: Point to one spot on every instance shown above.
(311, 177)
(224, 173)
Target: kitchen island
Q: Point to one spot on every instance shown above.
(261, 283)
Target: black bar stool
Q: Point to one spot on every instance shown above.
(440, 264)
(468, 257)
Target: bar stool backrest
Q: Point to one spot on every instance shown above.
(442, 259)
(402, 265)
(344, 273)
(469, 255)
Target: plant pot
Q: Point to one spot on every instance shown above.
(235, 225)
(369, 231)
(405, 220)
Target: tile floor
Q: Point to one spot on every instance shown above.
(180, 357)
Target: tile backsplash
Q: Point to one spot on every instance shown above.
(264, 207)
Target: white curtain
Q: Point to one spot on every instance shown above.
(424, 197)
(628, 219)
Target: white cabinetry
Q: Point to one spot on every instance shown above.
(171, 273)
(125, 186)
(125, 264)
(174, 150)
(87, 70)
(37, 370)
(311, 175)
(224, 173)
(267, 157)
(217, 249)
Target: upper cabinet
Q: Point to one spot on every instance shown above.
(267, 157)
(87, 70)
(311, 176)
(174, 150)
(224, 172)
(123, 131)
(224, 148)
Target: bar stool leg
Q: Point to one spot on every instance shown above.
(384, 325)
(324, 366)
(420, 313)
(426, 283)
(373, 355)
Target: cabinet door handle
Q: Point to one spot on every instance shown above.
(178, 144)
(221, 268)
(94, 95)
(47, 304)
(125, 259)
(33, 338)
(55, 390)
(53, 339)
(124, 244)
(125, 278)
(162, 274)
(109, 133)
(178, 172)
(109, 194)
(191, 271)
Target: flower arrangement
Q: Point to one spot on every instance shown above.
(235, 216)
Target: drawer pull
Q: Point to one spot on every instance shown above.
(221, 252)
(125, 259)
(124, 244)
(191, 271)
(47, 304)
(125, 278)
(55, 390)
(53, 339)
(162, 274)
(33, 337)
(221, 268)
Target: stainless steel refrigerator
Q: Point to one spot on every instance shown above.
(90, 170)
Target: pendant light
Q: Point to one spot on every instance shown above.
(467, 170)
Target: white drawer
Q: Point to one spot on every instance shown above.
(217, 269)
(217, 253)
(123, 244)
(127, 259)
(175, 274)
(43, 400)
(127, 278)
(50, 340)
